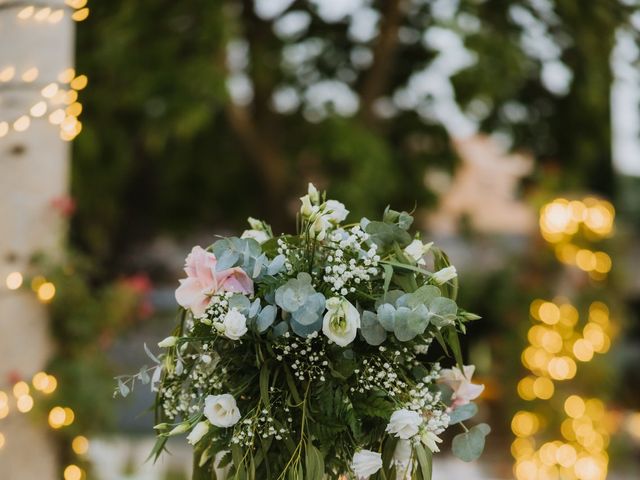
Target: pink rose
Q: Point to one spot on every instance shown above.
(460, 382)
(203, 281)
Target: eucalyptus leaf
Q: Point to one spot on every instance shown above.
(266, 318)
(386, 316)
(468, 446)
(276, 265)
(372, 331)
(227, 260)
(462, 413)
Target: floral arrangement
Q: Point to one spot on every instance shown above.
(306, 356)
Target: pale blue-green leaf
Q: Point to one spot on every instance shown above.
(227, 260)
(266, 318)
(276, 265)
(371, 330)
(462, 413)
(386, 316)
(401, 328)
(255, 308)
(468, 446)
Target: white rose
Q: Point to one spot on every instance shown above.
(259, 236)
(444, 275)
(168, 342)
(335, 211)
(199, 431)
(404, 423)
(416, 250)
(341, 322)
(221, 410)
(235, 324)
(365, 463)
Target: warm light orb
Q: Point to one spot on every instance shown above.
(56, 16)
(2, 441)
(46, 292)
(30, 75)
(80, 445)
(79, 82)
(583, 350)
(525, 388)
(57, 116)
(50, 90)
(72, 472)
(80, 15)
(24, 403)
(14, 280)
(42, 14)
(20, 388)
(543, 388)
(26, 12)
(574, 406)
(40, 381)
(57, 417)
(69, 416)
(51, 385)
(524, 424)
(22, 123)
(66, 75)
(549, 313)
(4, 405)
(4, 129)
(38, 109)
(566, 455)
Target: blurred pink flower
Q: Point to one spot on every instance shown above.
(139, 283)
(203, 281)
(65, 205)
(460, 382)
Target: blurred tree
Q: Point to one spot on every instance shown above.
(204, 112)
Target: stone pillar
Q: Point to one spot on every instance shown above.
(35, 47)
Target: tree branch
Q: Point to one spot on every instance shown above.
(376, 78)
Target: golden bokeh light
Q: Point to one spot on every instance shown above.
(80, 15)
(80, 445)
(73, 472)
(38, 109)
(24, 403)
(14, 280)
(543, 388)
(30, 74)
(79, 82)
(46, 292)
(549, 313)
(57, 417)
(3, 441)
(574, 406)
(51, 385)
(525, 424)
(22, 123)
(525, 388)
(20, 388)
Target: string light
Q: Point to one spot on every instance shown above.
(14, 280)
(72, 472)
(80, 445)
(46, 292)
(30, 75)
(556, 341)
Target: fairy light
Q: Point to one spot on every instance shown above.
(73, 472)
(24, 403)
(80, 445)
(57, 417)
(26, 12)
(14, 280)
(80, 15)
(4, 129)
(22, 123)
(557, 339)
(46, 292)
(38, 109)
(30, 75)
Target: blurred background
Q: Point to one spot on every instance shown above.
(130, 131)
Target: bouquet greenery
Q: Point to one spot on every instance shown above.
(305, 356)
